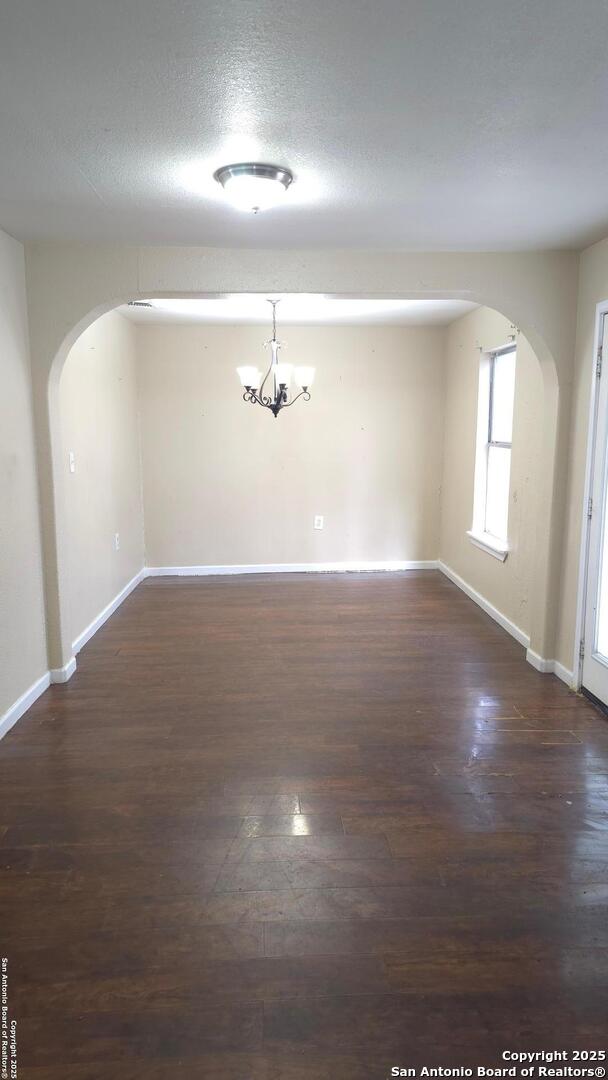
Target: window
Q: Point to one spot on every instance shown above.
(493, 458)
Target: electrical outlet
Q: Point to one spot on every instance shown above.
(72, 461)
(116, 541)
(318, 524)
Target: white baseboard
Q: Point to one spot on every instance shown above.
(502, 620)
(62, 674)
(22, 704)
(539, 662)
(110, 608)
(289, 568)
(564, 674)
(552, 667)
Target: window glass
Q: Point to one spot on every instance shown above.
(497, 491)
(493, 447)
(503, 391)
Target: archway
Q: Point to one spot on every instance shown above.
(70, 288)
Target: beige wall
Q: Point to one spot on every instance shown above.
(69, 285)
(593, 289)
(99, 420)
(22, 623)
(66, 284)
(505, 585)
(225, 483)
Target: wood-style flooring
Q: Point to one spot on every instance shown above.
(303, 828)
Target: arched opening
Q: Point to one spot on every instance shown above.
(542, 554)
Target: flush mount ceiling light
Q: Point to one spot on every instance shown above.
(278, 395)
(253, 186)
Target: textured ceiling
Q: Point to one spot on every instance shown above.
(419, 124)
(247, 308)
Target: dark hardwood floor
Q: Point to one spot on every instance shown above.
(303, 828)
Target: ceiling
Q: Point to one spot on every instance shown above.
(412, 124)
(301, 308)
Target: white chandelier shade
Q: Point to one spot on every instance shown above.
(282, 373)
(304, 376)
(249, 376)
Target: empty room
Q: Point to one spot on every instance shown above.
(303, 540)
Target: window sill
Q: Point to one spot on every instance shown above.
(499, 549)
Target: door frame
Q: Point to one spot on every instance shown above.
(601, 313)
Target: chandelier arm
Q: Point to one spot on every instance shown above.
(264, 379)
(303, 393)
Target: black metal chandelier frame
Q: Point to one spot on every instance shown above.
(280, 397)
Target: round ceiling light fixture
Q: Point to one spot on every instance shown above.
(253, 186)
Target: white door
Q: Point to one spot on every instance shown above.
(595, 645)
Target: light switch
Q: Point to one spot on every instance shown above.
(116, 541)
(318, 521)
(72, 461)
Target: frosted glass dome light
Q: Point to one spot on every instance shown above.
(253, 187)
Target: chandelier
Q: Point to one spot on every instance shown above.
(277, 396)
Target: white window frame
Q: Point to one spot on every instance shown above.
(478, 535)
